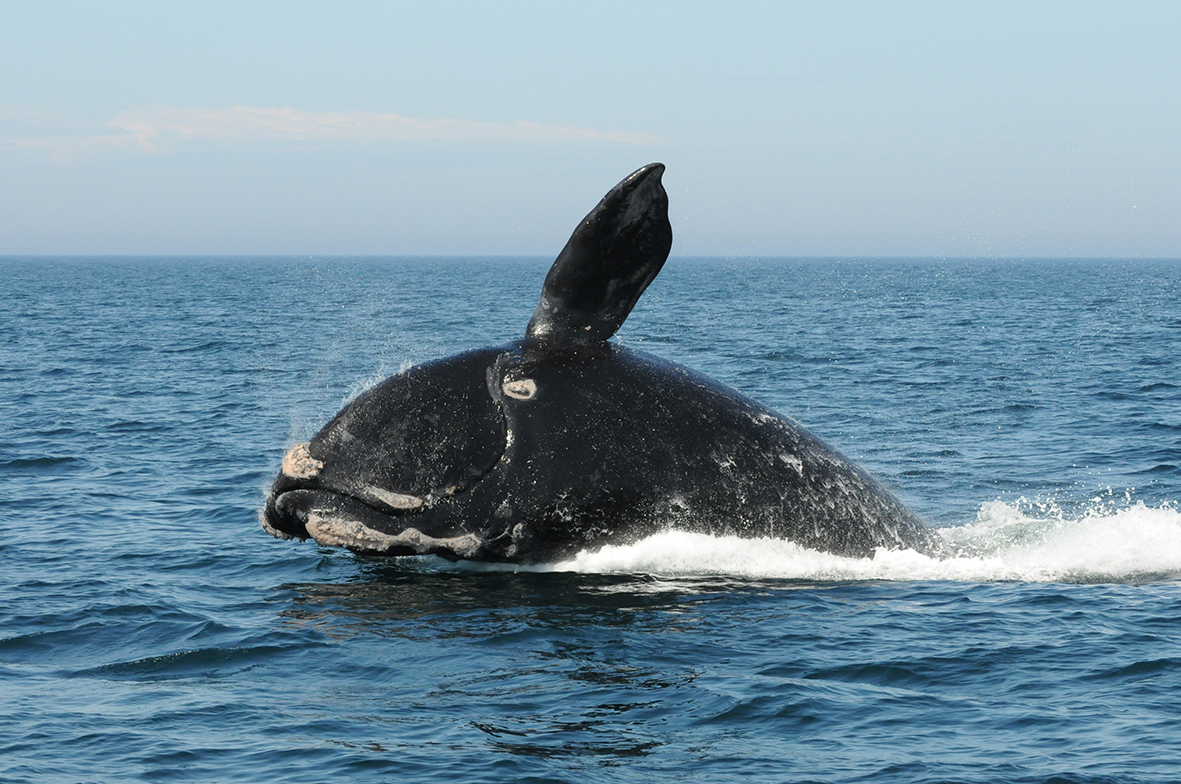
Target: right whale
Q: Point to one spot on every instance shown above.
(565, 441)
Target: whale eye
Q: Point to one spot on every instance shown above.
(521, 389)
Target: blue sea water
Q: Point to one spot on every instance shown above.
(151, 631)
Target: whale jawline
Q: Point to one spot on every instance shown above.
(335, 519)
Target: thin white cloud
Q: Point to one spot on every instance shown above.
(64, 147)
(29, 115)
(158, 128)
(153, 126)
(32, 128)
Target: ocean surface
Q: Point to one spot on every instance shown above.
(151, 631)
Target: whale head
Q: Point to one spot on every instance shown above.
(383, 475)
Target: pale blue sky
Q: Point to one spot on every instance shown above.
(929, 129)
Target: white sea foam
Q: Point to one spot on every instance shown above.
(1019, 541)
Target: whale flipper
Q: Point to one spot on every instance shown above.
(611, 257)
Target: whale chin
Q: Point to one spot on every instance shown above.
(337, 520)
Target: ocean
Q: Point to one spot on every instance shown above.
(150, 630)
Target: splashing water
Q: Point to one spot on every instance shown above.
(1025, 541)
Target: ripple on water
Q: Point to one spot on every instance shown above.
(150, 630)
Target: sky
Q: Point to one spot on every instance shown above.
(989, 129)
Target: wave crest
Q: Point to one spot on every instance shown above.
(1027, 541)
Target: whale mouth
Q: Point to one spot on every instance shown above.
(337, 520)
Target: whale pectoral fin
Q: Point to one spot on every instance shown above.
(615, 252)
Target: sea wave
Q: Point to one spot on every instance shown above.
(1022, 540)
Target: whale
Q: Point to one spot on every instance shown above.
(566, 441)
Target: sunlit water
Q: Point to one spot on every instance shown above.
(149, 629)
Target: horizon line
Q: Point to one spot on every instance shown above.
(534, 256)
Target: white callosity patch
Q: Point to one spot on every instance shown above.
(298, 463)
(521, 389)
(394, 500)
(517, 533)
(331, 531)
